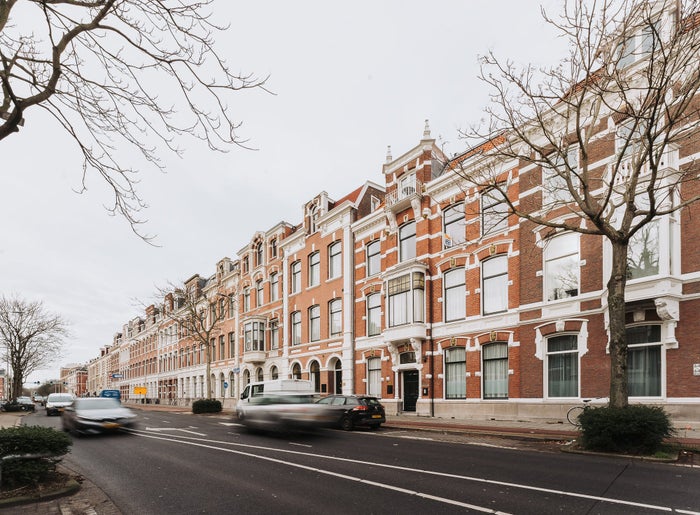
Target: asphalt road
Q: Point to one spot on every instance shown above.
(183, 464)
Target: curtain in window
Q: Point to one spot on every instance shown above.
(455, 373)
(495, 372)
(644, 371)
(374, 377)
(562, 366)
(455, 300)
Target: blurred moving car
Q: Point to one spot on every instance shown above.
(349, 411)
(115, 394)
(26, 403)
(57, 402)
(281, 413)
(97, 415)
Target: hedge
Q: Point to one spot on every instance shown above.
(31, 440)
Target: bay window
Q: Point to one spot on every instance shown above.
(406, 299)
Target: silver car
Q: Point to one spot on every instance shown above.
(57, 402)
(97, 415)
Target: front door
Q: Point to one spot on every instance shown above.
(410, 390)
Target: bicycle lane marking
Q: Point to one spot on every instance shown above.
(185, 440)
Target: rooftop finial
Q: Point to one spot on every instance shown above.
(426, 131)
(389, 159)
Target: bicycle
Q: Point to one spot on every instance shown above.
(575, 411)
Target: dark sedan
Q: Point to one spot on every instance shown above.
(97, 415)
(349, 411)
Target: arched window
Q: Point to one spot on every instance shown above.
(454, 226)
(259, 374)
(296, 371)
(259, 254)
(374, 258)
(315, 375)
(274, 372)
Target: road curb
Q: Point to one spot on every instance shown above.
(71, 487)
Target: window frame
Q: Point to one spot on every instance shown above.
(315, 323)
(374, 377)
(410, 289)
(450, 221)
(645, 344)
(575, 356)
(274, 286)
(373, 311)
(486, 281)
(335, 260)
(455, 373)
(335, 317)
(494, 214)
(487, 371)
(550, 257)
(314, 265)
(259, 293)
(295, 277)
(373, 259)
(407, 241)
(295, 327)
(454, 293)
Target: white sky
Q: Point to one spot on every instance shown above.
(350, 78)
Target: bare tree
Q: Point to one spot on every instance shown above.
(31, 336)
(603, 128)
(196, 316)
(111, 72)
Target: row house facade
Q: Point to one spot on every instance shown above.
(425, 292)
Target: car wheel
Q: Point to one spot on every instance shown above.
(346, 423)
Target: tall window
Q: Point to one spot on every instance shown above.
(454, 296)
(555, 190)
(315, 375)
(455, 373)
(259, 254)
(644, 360)
(296, 371)
(231, 306)
(495, 370)
(562, 366)
(231, 344)
(274, 286)
(246, 266)
(561, 264)
(374, 309)
(636, 46)
(494, 285)
(335, 318)
(258, 293)
(407, 241)
(334, 260)
(274, 373)
(374, 264)
(314, 269)
(494, 212)
(295, 277)
(273, 247)
(454, 226)
(643, 252)
(296, 328)
(374, 377)
(274, 334)
(222, 346)
(406, 299)
(254, 336)
(246, 299)
(314, 323)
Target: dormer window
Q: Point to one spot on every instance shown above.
(637, 45)
(312, 215)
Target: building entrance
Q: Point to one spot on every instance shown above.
(410, 390)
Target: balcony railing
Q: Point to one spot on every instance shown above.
(404, 194)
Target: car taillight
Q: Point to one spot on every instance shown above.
(360, 408)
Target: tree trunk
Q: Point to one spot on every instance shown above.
(208, 378)
(616, 312)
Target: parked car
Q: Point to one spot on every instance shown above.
(26, 403)
(349, 411)
(57, 402)
(97, 415)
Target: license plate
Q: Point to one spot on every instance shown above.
(110, 425)
(376, 416)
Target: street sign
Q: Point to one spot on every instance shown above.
(236, 370)
(139, 390)
(225, 384)
(117, 376)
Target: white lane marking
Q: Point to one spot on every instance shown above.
(301, 445)
(427, 472)
(336, 474)
(229, 424)
(156, 429)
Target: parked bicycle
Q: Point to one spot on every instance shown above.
(575, 411)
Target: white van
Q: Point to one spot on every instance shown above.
(277, 387)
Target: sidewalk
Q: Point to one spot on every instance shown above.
(90, 500)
